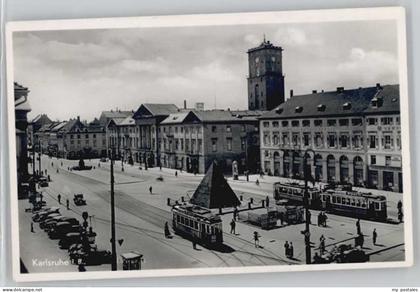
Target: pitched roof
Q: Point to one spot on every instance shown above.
(58, 126)
(176, 118)
(128, 121)
(159, 109)
(214, 191)
(338, 103)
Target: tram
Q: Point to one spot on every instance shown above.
(355, 204)
(198, 224)
(294, 192)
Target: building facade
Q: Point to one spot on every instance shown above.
(191, 140)
(351, 136)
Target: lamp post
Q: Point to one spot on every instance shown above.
(306, 232)
(113, 245)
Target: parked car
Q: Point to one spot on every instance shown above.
(43, 182)
(68, 239)
(39, 216)
(103, 159)
(61, 229)
(48, 218)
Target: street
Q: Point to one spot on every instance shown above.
(141, 216)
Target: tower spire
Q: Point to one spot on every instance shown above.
(264, 38)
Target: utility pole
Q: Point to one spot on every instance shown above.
(113, 247)
(39, 156)
(306, 232)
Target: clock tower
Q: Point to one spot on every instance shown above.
(265, 80)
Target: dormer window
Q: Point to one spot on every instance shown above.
(347, 106)
(376, 102)
(321, 107)
(279, 110)
(298, 109)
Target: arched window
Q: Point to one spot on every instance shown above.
(257, 94)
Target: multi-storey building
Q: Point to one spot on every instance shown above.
(21, 111)
(124, 138)
(192, 139)
(37, 123)
(355, 136)
(147, 119)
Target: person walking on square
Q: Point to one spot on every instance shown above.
(59, 198)
(151, 190)
(358, 227)
(281, 215)
(235, 214)
(286, 249)
(291, 250)
(267, 201)
(322, 244)
(399, 206)
(32, 227)
(232, 226)
(374, 236)
(324, 220)
(67, 204)
(176, 173)
(256, 239)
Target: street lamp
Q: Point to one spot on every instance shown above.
(113, 245)
(306, 232)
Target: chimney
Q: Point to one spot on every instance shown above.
(185, 104)
(322, 91)
(78, 118)
(378, 86)
(314, 91)
(340, 89)
(291, 92)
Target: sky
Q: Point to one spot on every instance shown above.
(83, 72)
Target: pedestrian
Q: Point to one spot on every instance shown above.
(45, 172)
(257, 182)
(67, 204)
(176, 173)
(281, 215)
(32, 227)
(194, 242)
(150, 189)
(291, 250)
(235, 213)
(286, 249)
(400, 216)
(374, 236)
(267, 201)
(57, 170)
(256, 239)
(358, 227)
(232, 226)
(160, 167)
(399, 206)
(319, 218)
(59, 198)
(322, 244)
(61, 163)
(324, 220)
(167, 232)
(99, 165)
(52, 163)
(81, 268)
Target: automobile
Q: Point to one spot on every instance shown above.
(43, 214)
(68, 239)
(103, 159)
(49, 218)
(61, 229)
(51, 223)
(71, 220)
(79, 200)
(43, 182)
(97, 257)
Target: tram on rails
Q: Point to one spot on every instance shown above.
(198, 224)
(355, 204)
(294, 192)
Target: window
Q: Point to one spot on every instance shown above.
(399, 141)
(343, 122)
(182, 144)
(306, 139)
(306, 123)
(357, 140)
(373, 141)
(71, 136)
(388, 142)
(387, 121)
(243, 129)
(200, 145)
(94, 135)
(356, 122)
(397, 120)
(214, 144)
(213, 129)
(387, 160)
(229, 144)
(276, 138)
(344, 140)
(243, 143)
(285, 139)
(295, 123)
(187, 145)
(331, 123)
(318, 123)
(318, 140)
(373, 159)
(285, 123)
(295, 139)
(229, 129)
(275, 124)
(372, 121)
(266, 124)
(78, 136)
(331, 140)
(266, 138)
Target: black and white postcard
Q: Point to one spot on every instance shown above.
(209, 144)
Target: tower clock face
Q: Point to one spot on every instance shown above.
(273, 59)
